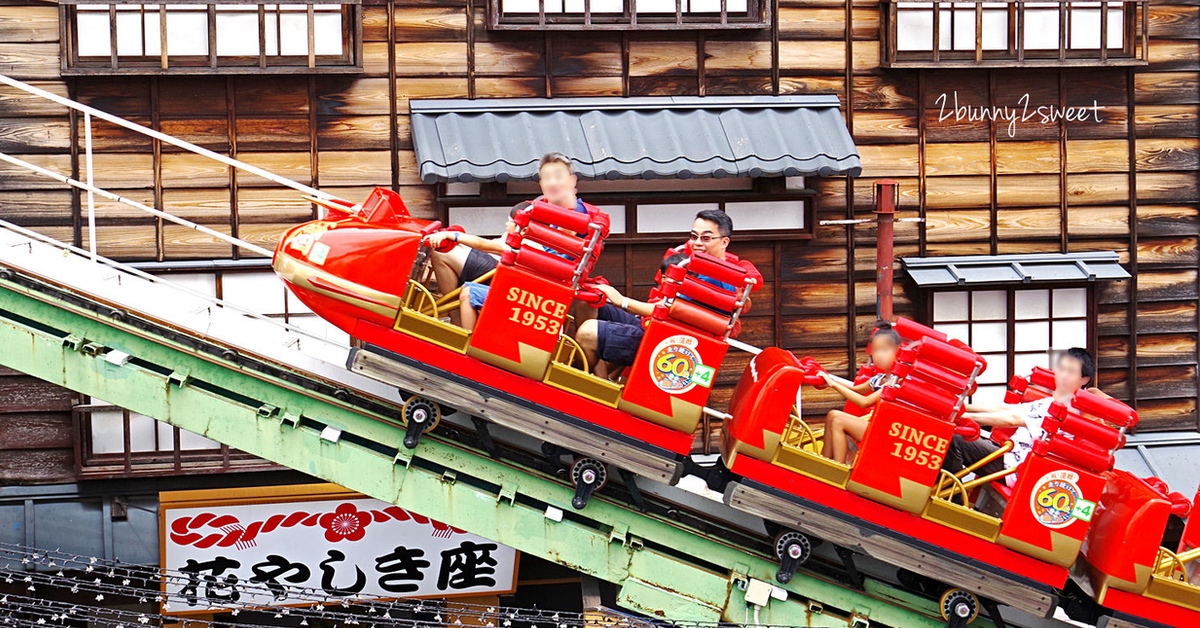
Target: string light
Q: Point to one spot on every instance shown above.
(145, 583)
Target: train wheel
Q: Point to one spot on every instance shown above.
(792, 549)
(420, 416)
(589, 475)
(959, 607)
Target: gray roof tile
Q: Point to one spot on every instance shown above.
(623, 138)
(930, 272)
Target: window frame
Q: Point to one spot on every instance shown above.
(1010, 320)
(1133, 51)
(166, 459)
(758, 16)
(349, 62)
(763, 190)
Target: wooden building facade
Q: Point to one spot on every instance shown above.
(976, 137)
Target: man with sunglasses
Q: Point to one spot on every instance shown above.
(710, 234)
(610, 340)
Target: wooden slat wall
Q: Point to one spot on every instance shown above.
(36, 431)
(1127, 183)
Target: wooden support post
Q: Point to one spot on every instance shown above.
(885, 212)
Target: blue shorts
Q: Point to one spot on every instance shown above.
(618, 335)
(476, 293)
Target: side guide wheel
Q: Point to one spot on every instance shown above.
(420, 416)
(588, 475)
(792, 549)
(959, 607)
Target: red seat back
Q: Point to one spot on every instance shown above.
(541, 226)
(904, 447)
(1087, 432)
(1062, 479)
(685, 342)
(761, 406)
(532, 290)
(1122, 545)
(935, 376)
(1053, 502)
(693, 302)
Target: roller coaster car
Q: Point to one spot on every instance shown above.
(910, 428)
(1065, 492)
(1124, 565)
(363, 269)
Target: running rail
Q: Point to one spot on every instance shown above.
(260, 387)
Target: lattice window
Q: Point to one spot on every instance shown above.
(980, 32)
(1014, 329)
(626, 14)
(654, 210)
(214, 37)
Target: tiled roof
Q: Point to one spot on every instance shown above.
(633, 138)
(930, 272)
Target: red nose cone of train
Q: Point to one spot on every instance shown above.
(355, 263)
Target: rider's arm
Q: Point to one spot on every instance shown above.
(980, 407)
(854, 396)
(864, 388)
(1000, 416)
(633, 306)
(487, 245)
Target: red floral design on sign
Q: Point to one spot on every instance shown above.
(347, 522)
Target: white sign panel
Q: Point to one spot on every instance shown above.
(225, 557)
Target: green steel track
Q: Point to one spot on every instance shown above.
(662, 568)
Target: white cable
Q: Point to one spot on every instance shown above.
(163, 137)
(91, 197)
(159, 280)
(120, 199)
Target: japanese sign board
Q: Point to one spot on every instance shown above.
(287, 545)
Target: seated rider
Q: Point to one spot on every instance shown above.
(841, 426)
(462, 263)
(710, 234)
(1074, 370)
(611, 337)
(478, 246)
(473, 293)
(621, 326)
